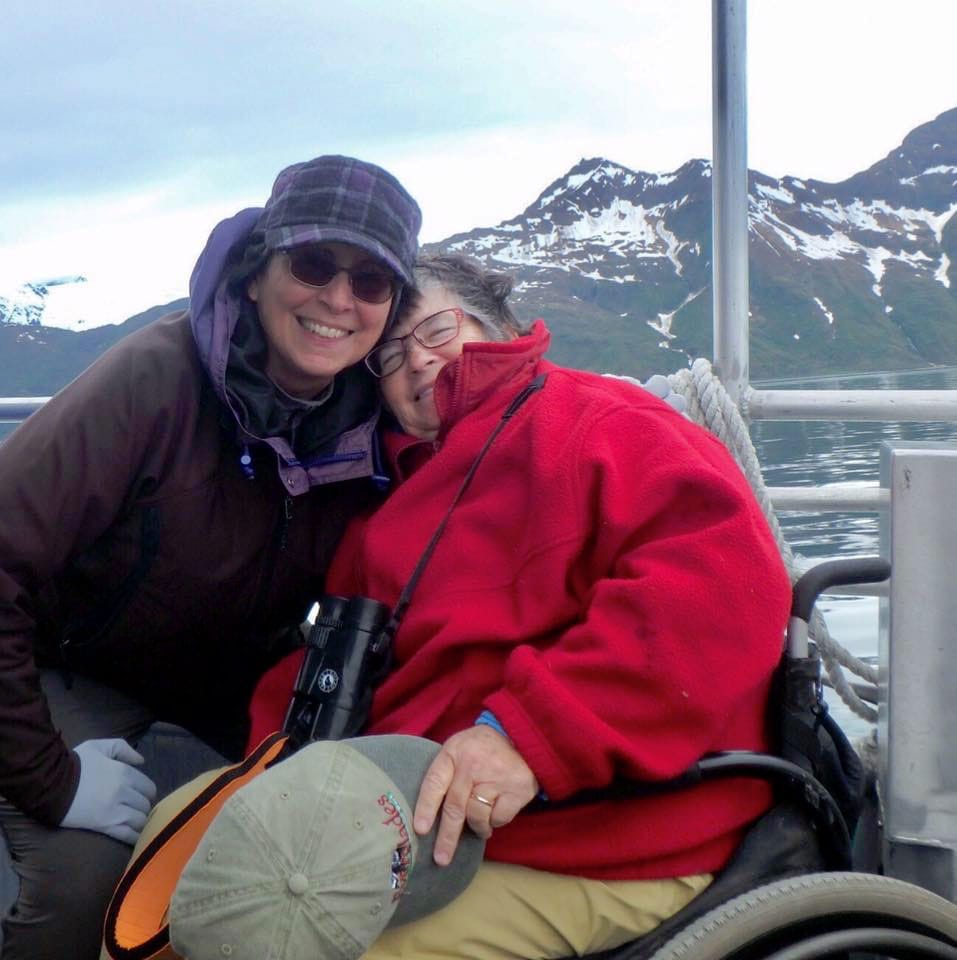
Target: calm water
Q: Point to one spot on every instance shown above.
(798, 454)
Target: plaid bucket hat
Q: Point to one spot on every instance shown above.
(334, 198)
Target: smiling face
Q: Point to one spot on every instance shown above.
(408, 391)
(313, 333)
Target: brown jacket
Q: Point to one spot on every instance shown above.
(135, 550)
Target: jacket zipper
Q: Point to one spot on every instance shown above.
(277, 545)
(284, 521)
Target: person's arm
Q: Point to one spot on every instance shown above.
(685, 600)
(65, 474)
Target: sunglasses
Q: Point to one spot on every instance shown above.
(316, 267)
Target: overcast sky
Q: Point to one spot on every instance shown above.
(130, 127)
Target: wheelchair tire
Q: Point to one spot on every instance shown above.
(780, 914)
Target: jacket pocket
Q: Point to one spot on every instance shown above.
(85, 631)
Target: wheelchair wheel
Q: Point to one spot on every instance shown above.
(779, 915)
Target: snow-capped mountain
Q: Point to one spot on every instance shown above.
(52, 302)
(601, 221)
(853, 275)
(858, 275)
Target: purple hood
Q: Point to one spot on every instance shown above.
(213, 318)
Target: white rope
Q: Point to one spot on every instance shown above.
(710, 406)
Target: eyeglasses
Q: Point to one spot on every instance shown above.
(434, 331)
(315, 267)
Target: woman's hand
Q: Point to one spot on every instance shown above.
(477, 777)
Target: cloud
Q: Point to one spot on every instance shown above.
(106, 94)
(124, 123)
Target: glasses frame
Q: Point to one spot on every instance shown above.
(349, 271)
(460, 315)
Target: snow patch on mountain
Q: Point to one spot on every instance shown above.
(862, 231)
(937, 223)
(672, 245)
(779, 194)
(875, 264)
(827, 313)
(54, 302)
(74, 302)
(941, 273)
(662, 323)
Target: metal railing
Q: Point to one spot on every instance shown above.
(891, 405)
(730, 287)
(15, 409)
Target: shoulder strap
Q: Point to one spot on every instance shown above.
(405, 598)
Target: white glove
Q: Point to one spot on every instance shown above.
(112, 796)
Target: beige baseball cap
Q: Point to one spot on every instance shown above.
(316, 856)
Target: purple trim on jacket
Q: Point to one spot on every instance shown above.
(213, 316)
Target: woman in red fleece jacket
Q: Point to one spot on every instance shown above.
(606, 603)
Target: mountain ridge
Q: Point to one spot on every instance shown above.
(844, 276)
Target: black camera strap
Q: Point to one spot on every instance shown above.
(405, 598)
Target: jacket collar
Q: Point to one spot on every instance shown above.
(483, 369)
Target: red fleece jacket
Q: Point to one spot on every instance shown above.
(607, 587)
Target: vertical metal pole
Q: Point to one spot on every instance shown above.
(729, 194)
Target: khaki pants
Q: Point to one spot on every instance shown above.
(510, 912)
(513, 913)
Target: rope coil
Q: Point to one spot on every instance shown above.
(710, 406)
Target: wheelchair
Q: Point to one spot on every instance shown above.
(790, 891)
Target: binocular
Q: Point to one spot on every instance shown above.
(347, 653)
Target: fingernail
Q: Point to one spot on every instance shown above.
(421, 825)
(442, 858)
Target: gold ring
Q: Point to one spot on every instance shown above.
(488, 803)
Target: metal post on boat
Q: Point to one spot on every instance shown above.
(917, 708)
(729, 194)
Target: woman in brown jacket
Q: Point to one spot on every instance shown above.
(168, 517)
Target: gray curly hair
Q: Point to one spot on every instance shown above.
(481, 293)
